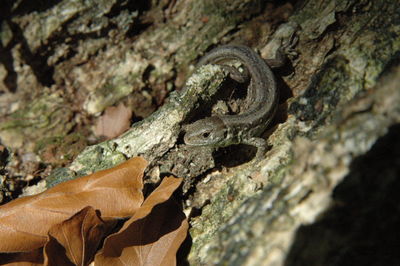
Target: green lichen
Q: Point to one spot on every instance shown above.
(98, 157)
(60, 175)
(221, 20)
(368, 46)
(43, 25)
(110, 93)
(366, 51)
(48, 115)
(93, 159)
(59, 150)
(125, 77)
(160, 128)
(205, 227)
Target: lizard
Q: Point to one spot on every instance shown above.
(246, 127)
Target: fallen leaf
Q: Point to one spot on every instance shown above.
(76, 240)
(116, 192)
(32, 258)
(114, 121)
(71, 230)
(152, 236)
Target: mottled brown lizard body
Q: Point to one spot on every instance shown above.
(225, 130)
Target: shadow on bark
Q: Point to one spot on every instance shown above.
(362, 226)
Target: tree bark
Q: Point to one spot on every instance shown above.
(325, 193)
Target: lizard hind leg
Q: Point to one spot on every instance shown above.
(261, 146)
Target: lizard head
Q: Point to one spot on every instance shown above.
(208, 131)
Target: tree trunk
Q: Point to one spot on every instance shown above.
(325, 192)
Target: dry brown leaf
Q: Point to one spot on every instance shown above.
(32, 258)
(114, 122)
(152, 236)
(116, 192)
(75, 241)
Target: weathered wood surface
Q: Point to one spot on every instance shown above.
(326, 190)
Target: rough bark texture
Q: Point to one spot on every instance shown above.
(326, 191)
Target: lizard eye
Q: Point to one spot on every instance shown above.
(206, 134)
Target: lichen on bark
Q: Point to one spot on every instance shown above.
(338, 116)
(339, 95)
(154, 136)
